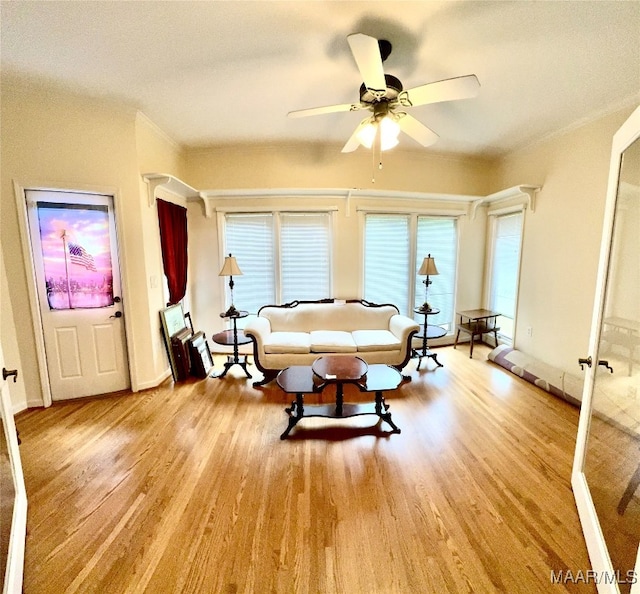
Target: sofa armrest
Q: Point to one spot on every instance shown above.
(258, 329)
(403, 326)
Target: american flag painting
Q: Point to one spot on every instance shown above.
(78, 255)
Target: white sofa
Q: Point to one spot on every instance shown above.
(298, 333)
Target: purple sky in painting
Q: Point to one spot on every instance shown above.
(88, 228)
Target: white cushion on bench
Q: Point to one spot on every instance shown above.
(332, 341)
(375, 340)
(287, 342)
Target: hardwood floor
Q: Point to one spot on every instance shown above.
(189, 489)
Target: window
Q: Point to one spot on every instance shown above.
(395, 245)
(249, 237)
(386, 259)
(305, 256)
(437, 236)
(506, 231)
(283, 257)
(76, 253)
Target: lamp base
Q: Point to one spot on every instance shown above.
(425, 307)
(232, 311)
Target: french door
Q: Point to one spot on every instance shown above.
(606, 471)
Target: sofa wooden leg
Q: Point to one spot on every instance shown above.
(269, 375)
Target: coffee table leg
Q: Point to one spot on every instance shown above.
(382, 410)
(295, 412)
(339, 398)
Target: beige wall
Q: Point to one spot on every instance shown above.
(324, 166)
(562, 238)
(305, 166)
(156, 153)
(55, 138)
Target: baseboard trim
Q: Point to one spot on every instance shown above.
(153, 383)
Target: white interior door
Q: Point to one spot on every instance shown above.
(13, 497)
(75, 256)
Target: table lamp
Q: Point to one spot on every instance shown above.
(428, 268)
(230, 268)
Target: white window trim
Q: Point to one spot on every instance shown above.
(222, 210)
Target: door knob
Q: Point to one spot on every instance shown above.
(8, 373)
(605, 364)
(582, 362)
(118, 314)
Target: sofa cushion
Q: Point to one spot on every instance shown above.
(376, 340)
(287, 342)
(332, 341)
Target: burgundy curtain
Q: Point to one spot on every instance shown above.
(173, 239)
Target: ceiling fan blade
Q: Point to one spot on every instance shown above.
(302, 113)
(417, 130)
(353, 143)
(462, 87)
(366, 53)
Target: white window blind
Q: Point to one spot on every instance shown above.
(249, 237)
(386, 259)
(388, 276)
(283, 257)
(437, 236)
(505, 268)
(305, 263)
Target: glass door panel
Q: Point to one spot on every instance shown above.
(612, 462)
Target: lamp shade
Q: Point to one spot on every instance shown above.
(389, 130)
(428, 267)
(230, 267)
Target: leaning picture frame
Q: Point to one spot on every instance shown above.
(200, 353)
(172, 320)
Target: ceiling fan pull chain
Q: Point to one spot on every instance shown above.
(376, 148)
(373, 164)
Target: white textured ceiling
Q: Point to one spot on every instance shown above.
(214, 72)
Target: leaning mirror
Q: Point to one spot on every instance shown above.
(606, 474)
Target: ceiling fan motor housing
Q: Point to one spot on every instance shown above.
(394, 88)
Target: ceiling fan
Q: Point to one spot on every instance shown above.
(383, 95)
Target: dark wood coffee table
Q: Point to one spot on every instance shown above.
(338, 370)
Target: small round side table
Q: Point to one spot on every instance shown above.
(233, 337)
(427, 331)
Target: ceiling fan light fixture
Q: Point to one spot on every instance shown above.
(389, 131)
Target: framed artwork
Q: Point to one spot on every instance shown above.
(173, 321)
(76, 243)
(201, 360)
